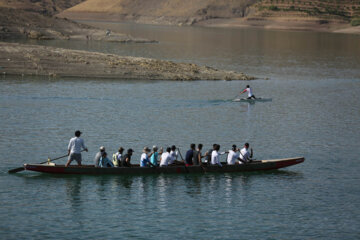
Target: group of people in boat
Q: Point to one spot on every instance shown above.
(158, 157)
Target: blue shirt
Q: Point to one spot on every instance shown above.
(105, 162)
(154, 158)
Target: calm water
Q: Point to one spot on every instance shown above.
(315, 89)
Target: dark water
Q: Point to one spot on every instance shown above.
(315, 89)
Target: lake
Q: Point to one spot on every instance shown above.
(314, 84)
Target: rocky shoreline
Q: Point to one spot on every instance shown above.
(35, 60)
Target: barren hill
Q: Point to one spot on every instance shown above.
(159, 11)
(302, 14)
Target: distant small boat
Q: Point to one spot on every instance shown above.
(252, 100)
(262, 165)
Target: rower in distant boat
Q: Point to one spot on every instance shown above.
(74, 149)
(233, 155)
(104, 161)
(117, 157)
(245, 154)
(98, 156)
(154, 155)
(173, 155)
(189, 155)
(165, 158)
(215, 156)
(144, 159)
(249, 90)
(208, 154)
(125, 160)
(197, 155)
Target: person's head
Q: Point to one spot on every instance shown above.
(173, 148)
(168, 149)
(102, 149)
(154, 148)
(246, 145)
(192, 146)
(77, 133)
(233, 147)
(247, 86)
(217, 147)
(214, 146)
(146, 150)
(103, 154)
(121, 150)
(200, 146)
(130, 151)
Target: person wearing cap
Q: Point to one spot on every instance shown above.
(154, 155)
(144, 159)
(98, 156)
(104, 161)
(233, 155)
(117, 157)
(245, 154)
(125, 160)
(75, 147)
(250, 94)
(165, 158)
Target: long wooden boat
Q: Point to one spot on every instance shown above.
(262, 165)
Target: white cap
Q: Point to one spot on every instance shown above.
(102, 148)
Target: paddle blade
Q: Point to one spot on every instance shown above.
(15, 170)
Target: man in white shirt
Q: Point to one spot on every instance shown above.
(215, 156)
(250, 94)
(75, 147)
(233, 155)
(173, 155)
(245, 154)
(165, 158)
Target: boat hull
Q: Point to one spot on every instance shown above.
(263, 165)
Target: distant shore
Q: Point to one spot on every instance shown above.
(35, 60)
(277, 23)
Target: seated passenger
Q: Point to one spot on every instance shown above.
(197, 155)
(104, 161)
(165, 158)
(154, 155)
(245, 155)
(215, 156)
(144, 159)
(233, 155)
(125, 160)
(117, 157)
(173, 155)
(189, 155)
(98, 156)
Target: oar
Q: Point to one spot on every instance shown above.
(187, 171)
(19, 169)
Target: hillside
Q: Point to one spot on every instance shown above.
(159, 11)
(34, 19)
(291, 14)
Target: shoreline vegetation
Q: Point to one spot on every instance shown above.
(36, 60)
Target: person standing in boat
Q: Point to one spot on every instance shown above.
(165, 158)
(249, 91)
(245, 154)
(125, 160)
(76, 144)
(215, 156)
(144, 159)
(104, 161)
(117, 157)
(98, 156)
(189, 155)
(233, 155)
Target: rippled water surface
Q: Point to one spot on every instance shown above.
(315, 89)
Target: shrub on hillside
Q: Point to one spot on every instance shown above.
(355, 22)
